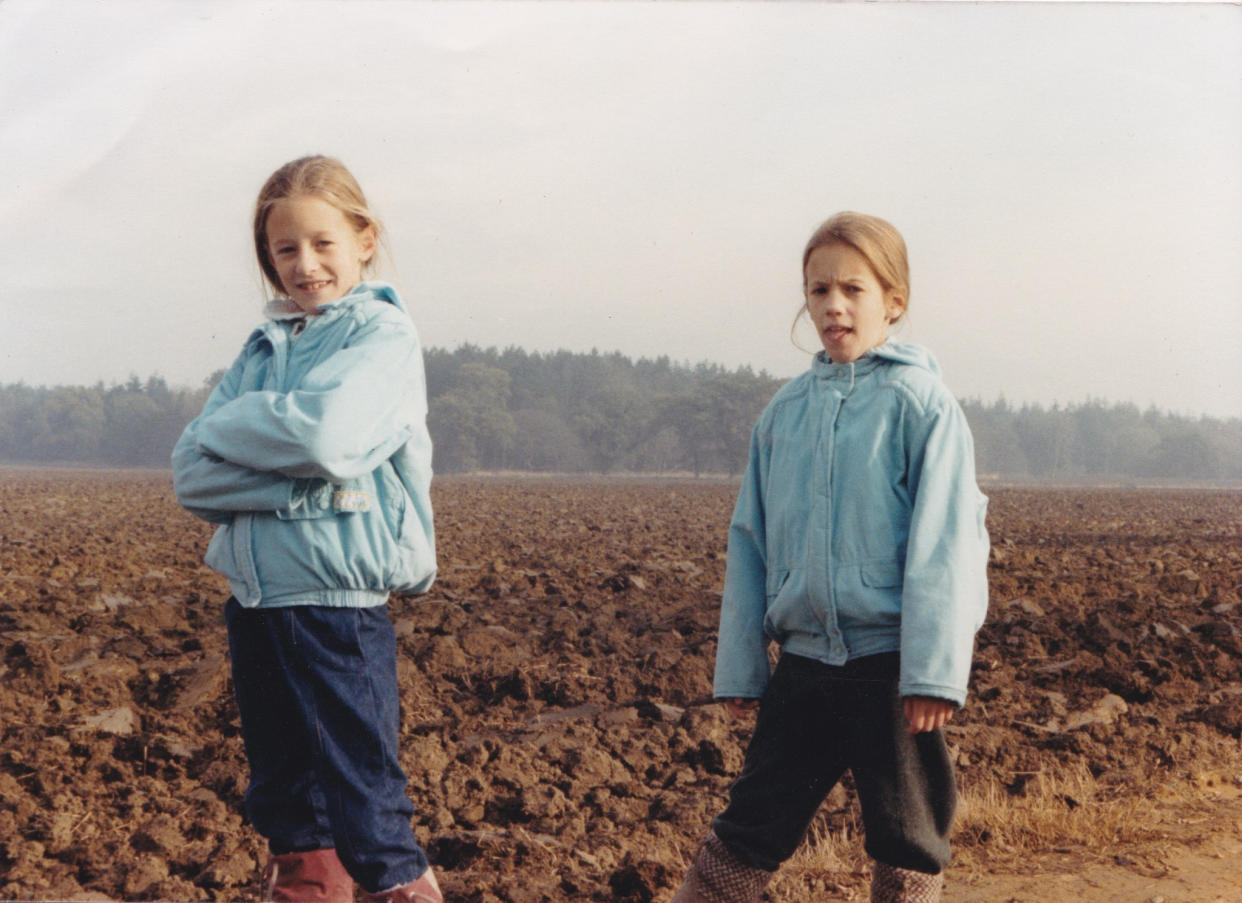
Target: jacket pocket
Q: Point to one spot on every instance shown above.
(775, 580)
(394, 502)
(409, 563)
(869, 595)
(788, 608)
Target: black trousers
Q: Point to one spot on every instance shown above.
(816, 721)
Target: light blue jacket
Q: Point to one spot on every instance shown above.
(859, 528)
(312, 454)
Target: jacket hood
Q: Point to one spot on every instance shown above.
(907, 353)
(287, 308)
(898, 352)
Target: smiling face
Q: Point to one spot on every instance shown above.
(847, 304)
(316, 251)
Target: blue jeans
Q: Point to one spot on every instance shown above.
(317, 691)
(816, 721)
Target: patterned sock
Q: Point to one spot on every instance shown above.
(890, 884)
(720, 877)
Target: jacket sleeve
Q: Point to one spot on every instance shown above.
(350, 414)
(742, 668)
(945, 590)
(214, 489)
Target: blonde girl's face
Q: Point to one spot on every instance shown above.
(316, 251)
(848, 306)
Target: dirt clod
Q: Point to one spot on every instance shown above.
(554, 721)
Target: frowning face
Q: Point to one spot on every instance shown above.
(847, 304)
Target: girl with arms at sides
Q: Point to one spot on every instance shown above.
(313, 457)
(858, 545)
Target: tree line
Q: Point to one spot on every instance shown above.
(596, 412)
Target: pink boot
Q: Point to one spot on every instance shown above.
(315, 876)
(422, 889)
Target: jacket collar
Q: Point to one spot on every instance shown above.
(282, 310)
(287, 308)
(824, 368)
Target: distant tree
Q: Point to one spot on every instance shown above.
(1046, 438)
(132, 431)
(66, 425)
(610, 422)
(998, 450)
(20, 419)
(470, 424)
(544, 442)
(604, 412)
(1184, 452)
(714, 417)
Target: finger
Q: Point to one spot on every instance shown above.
(914, 716)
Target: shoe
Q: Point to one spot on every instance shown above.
(423, 889)
(315, 876)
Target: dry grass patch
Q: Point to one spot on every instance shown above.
(998, 826)
(1060, 811)
(831, 860)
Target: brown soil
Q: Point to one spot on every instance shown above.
(554, 724)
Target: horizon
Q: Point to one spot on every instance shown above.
(688, 365)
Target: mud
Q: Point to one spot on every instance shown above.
(554, 725)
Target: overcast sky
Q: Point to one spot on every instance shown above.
(641, 177)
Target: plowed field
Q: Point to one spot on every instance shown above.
(555, 727)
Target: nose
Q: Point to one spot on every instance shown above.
(834, 304)
(306, 261)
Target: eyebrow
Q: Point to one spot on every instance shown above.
(276, 239)
(843, 279)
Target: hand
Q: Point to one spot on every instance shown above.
(741, 708)
(926, 713)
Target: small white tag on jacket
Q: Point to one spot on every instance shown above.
(351, 500)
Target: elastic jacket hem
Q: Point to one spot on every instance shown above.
(330, 598)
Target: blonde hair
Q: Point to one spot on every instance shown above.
(323, 177)
(875, 239)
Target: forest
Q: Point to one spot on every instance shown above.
(603, 413)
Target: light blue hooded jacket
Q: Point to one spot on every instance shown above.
(312, 454)
(859, 528)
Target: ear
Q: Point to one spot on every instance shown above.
(366, 243)
(894, 306)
